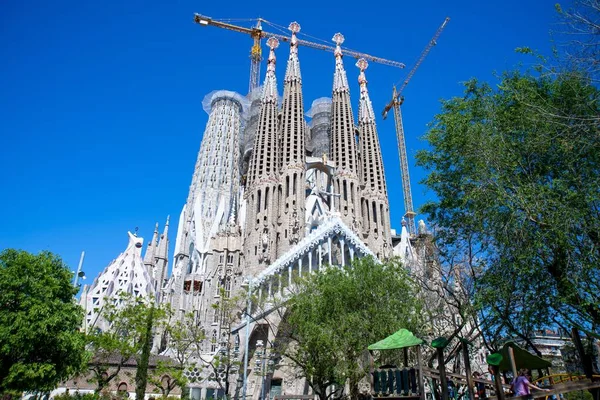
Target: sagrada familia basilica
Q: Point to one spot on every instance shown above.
(272, 196)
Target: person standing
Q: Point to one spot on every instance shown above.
(521, 384)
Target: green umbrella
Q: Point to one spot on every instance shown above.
(402, 338)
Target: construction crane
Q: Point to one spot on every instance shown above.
(395, 103)
(257, 34)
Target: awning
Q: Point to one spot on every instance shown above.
(402, 338)
(523, 358)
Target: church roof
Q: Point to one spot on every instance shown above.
(126, 273)
(332, 227)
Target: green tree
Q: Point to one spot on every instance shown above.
(40, 342)
(185, 337)
(132, 323)
(146, 338)
(579, 36)
(226, 360)
(338, 312)
(515, 172)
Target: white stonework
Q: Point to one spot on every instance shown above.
(271, 197)
(125, 274)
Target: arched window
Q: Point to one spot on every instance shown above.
(227, 287)
(122, 389)
(213, 341)
(166, 381)
(190, 262)
(216, 317)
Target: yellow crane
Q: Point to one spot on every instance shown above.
(395, 103)
(257, 34)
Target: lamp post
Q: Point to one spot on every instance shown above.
(246, 349)
(265, 365)
(79, 273)
(262, 356)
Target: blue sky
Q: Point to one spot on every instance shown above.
(101, 101)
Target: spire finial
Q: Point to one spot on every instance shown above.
(340, 81)
(168, 218)
(362, 64)
(295, 28)
(365, 108)
(156, 228)
(273, 43)
(338, 38)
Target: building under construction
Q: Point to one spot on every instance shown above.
(277, 191)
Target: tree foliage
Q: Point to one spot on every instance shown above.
(337, 313)
(132, 323)
(226, 360)
(579, 36)
(185, 337)
(40, 342)
(515, 171)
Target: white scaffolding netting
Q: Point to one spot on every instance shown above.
(216, 95)
(320, 105)
(320, 114)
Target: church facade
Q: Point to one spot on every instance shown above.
(272, 196)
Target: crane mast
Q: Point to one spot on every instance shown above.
(257, 34)
(395, 103)
(409, 213)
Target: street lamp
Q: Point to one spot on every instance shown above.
(79, 273)
(247, 282)
(260, 365)
(264, 365)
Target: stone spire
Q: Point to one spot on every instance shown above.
(162, 257)
(292, 158)
(376, 225)
(343, 144)
(216, 176)
(262, 181)
(150, 250)
(264, 157)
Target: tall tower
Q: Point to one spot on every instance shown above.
(262, 180)
(343, 145)
(215, 183)
(247, 140)
(374, 200)
(150, 250)
(156, 258)
(161, 257)
(292, 164)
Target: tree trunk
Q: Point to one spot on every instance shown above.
(354, 392)
(141, 374)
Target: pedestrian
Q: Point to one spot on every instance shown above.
(479, 387)
(521, 384)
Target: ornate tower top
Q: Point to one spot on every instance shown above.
(295, 28)
(362, 64)
(340, 80)
(338, 38)
(293, 67)
(365, 107)
(273, 43)
(270, 87)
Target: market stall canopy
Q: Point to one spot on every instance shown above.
(523, 358)
(402, 338)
